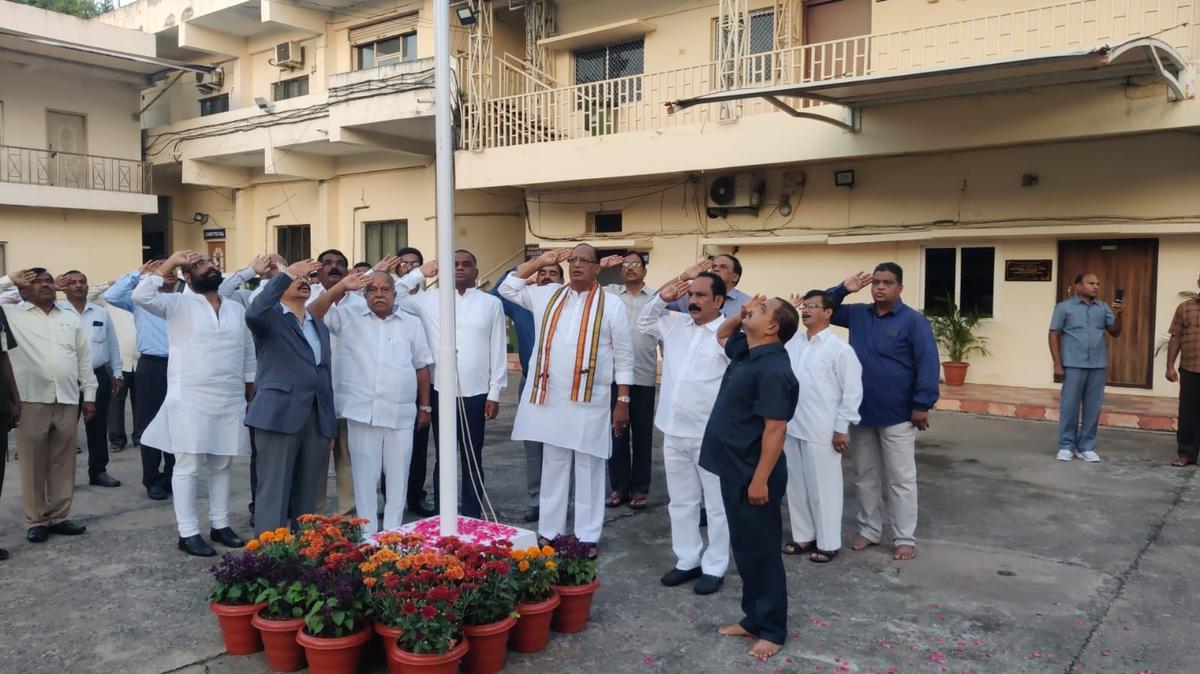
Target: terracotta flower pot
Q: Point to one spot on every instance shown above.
(489, 646)
(423, 663)
(387, 637)
(532, 630)
(334, 655)
(279, 638)
(572, 615)
(956, 373)
(240, 636)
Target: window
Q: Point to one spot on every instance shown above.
(294, 242)
(604, 222)
(966, 276)
(285, 89)
(214, 104)
(3, 259)
(384, 237)
(760, 39)
(388, 50)
(611, 62)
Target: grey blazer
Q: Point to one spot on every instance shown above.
(288, 380)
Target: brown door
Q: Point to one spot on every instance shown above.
(1131, 265)
(833, 22)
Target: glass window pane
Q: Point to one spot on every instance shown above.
(978, 280)
(410, 46)
(590, 65)
(626, 59)
(762, 32)
(388, 46)
(939, 280)
(366, 57)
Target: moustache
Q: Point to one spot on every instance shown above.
(693, 307)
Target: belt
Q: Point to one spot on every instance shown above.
(146, 356)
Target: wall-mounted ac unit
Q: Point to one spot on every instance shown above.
(743, 190)
(289, 54)
(212, 82)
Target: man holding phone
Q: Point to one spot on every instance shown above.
(1080, 355)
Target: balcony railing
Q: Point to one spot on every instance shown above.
(31, 166)
(637, 103)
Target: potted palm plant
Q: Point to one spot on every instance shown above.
(956, 333)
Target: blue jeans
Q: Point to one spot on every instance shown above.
(1079, 408)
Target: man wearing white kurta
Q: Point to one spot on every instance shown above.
(694, 363)
(830, 379)
(583, 347)
(380, 387)
(482, 362)
(208, 380)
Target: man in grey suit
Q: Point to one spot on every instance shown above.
(291, 415)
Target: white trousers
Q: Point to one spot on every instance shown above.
(886, 455)
(689, 486)
(184, 481)
(556, 488)
(814, 492)
(374, 450)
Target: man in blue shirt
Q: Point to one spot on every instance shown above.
(522, 320)
(1080, 355)
(899, 359)
(150, 380)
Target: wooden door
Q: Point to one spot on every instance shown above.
(66, 138)
(1132, 265)
(831, 23)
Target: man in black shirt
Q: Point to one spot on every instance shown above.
(10, 400)
(743, 445)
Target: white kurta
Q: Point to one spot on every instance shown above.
(580, 426)
(212, 359)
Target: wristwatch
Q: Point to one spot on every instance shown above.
(623, 399)
(425, 408)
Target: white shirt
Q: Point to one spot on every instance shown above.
(580, 426)
(830, 379)
(375, 380)
(51, 362)
(98, 325)
(694, 363)
(481, 341)
(645, 347)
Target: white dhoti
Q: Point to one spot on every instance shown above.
(556, 486)
(689, 486)
(184, 481)
(814, 492)
(375, 450)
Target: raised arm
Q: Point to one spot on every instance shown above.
(268, 299)
(649, 319)
(851, 284)
(733, 324)
(325, 302)
(231, 286)
(1115, 324)
(147, 296)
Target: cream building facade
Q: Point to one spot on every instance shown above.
(73, 187)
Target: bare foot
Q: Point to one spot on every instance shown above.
(904, 553)
(1182, 462)
(763, 649)
(862, 543)
(735, 630)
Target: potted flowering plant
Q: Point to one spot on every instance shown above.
(285, 598)
(427, 589)
(534, 572)
(489, 593)
(335, 622)
(237, 580)
(382, 583)
(576, 583)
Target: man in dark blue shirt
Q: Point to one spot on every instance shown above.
(743, 445)
(899, 359)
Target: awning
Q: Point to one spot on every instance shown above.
(52, 48)
(1140, 57)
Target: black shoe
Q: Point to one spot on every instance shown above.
(3, 554)
(707, 584)
(37, 534)
(156, 492)
(195, 545)
(67, 528)
(104, 480)
(679, 577)
(532, 514)
(227, 537)
(419, 508)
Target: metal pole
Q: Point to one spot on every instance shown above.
(447, 371)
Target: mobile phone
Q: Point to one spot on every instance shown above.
(1120, 296)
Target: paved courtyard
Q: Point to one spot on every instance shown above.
(1026, 565)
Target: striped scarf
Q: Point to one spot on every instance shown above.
(584, 372)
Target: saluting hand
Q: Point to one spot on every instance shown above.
(674, 290)
(354, 282)
(857, 281)
(302, 269)
(611, 261)
(22, 278)
(694, 271)
(387, 264)
(752, 304)
(260, 264)
(150, 267)
(796, 300)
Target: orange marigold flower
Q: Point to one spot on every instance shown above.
(534, 552)
(253, 545)
(551, 565)
(518, 555)
(547, 551)
(369, 581)
(523, 565)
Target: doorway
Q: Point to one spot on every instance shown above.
(1131, 265)
(833, 21)
(66, 139)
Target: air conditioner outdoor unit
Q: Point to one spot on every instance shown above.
(743, 190)
(289, 54)
(210, 82)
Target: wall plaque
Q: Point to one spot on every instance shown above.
(1027, 270)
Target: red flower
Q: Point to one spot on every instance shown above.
(409, 608)
(429, 612)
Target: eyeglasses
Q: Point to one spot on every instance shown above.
(810, 305)
(580, 260)
(632, 265)
(408, 263)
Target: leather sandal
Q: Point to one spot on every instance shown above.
(615, 499)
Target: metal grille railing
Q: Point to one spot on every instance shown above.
(637, 102)
(32, 166)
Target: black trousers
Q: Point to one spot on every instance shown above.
(117, 437)
(152, 389)
(5, 426)
(97, 429)
(418, 465)
(253, 470)
(1188, 436)
(471, 489)
(629, 467)
(756, 538)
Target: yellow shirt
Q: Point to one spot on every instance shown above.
(52, 360)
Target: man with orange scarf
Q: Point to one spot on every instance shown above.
(582, 347)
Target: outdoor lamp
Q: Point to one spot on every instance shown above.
(466, 15)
